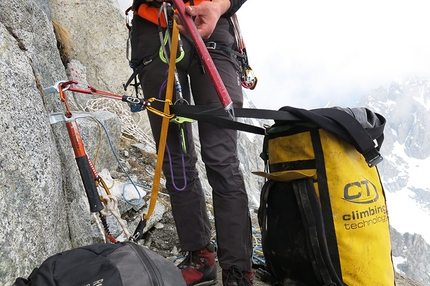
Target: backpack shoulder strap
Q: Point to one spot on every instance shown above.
(311, 214)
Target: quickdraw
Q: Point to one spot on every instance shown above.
(167, 10)
(248, 78)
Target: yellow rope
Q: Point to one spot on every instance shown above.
(164, 124)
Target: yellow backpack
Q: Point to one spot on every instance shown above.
(323, 214)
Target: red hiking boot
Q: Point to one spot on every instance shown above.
(234, 277)
(198, 268)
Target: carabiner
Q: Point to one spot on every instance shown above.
(158, 112)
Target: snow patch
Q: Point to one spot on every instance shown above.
(398, 260)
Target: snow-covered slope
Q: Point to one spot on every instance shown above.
(405, 171)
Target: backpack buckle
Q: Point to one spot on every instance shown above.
(211, 45)
(373, 158)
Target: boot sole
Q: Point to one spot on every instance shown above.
(206, 283)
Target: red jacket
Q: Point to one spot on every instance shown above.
(150, 12)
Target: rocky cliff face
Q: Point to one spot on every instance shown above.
(31, 188)
(43, 205)
(414, 254)
(42, 200)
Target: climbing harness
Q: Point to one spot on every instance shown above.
(136, 67)
(247, 76)
(199, 44)
(163, 18)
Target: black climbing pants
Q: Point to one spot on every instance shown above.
(218, 149)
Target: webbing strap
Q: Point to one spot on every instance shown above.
(197, 110)
(220, 117)
(337, 122)
(164, 124)
(137, 71)
(221, 47)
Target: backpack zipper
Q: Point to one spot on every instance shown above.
(154, 272)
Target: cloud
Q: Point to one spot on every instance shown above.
(310, 53)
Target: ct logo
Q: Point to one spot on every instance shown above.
(363, 192)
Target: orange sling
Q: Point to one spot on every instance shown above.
(150, 13)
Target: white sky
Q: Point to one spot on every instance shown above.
(310, 53)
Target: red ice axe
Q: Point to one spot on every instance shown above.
(205, 56)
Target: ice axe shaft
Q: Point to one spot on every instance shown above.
(205, 56)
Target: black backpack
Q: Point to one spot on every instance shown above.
(120, 264)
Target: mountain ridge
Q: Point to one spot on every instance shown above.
(406, 153)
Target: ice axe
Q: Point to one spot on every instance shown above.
(85, 166)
